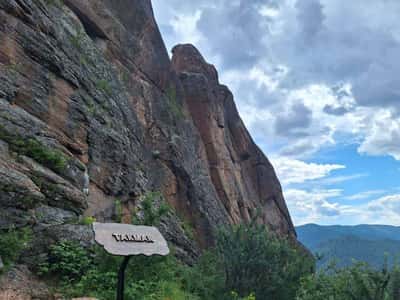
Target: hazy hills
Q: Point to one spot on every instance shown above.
(367, 243)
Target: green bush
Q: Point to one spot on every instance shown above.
(93, 272)
(395, 284)
(256, 261)
(78, 39)
(67, 260)
(150, 213)
(358, 281)
(206, 278)
(12, 243)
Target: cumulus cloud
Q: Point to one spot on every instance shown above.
(296, 171)
(384, 210)
(312, 206)
(389, 205)
(383, 138)
(322, 206)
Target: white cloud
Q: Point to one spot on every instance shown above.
(312, 206)
(383, 138)
(340, 179)
(384, 210)
(388, 205)
(365, 195)
(317, 207)
(184, 26)
(296, 171)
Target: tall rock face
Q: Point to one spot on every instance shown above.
(243, 177)
(94, 116)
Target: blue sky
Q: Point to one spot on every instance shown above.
(317, 84)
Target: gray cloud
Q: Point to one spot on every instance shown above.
(310, 17)
(318, 41)
(235, 31)
(295, 122)
(337, 111)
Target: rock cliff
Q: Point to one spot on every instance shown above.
(94, 115)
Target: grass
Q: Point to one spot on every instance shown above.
(188, 229)
(87, 220)
(77, 40)
(118, 211)
(53, 159)
(173, 105)
(104, 86)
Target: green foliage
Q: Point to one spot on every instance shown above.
(256, 261)
(150, 212)
(118, 211)
(93, 272)
(125, 77)
(188, 229)
(104, 86)
(68, 260)
(77, 40)
(91, 107)
(88, 220)
(395, 284)
(173, 104)
(23, 200)
(235, 296)
(206, 278)
(358, 281)
(53, 159)
(247, 263)
(12, 243)
(348, 248)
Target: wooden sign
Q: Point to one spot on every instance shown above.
(126, 239)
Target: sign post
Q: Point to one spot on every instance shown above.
(127, 240)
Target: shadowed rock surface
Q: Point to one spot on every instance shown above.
(88, 94)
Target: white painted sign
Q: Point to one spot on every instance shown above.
(126, 239)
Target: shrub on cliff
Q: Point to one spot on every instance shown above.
(12, 243)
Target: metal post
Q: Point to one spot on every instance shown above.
(121, 278)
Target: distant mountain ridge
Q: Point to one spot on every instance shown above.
(344, 244)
